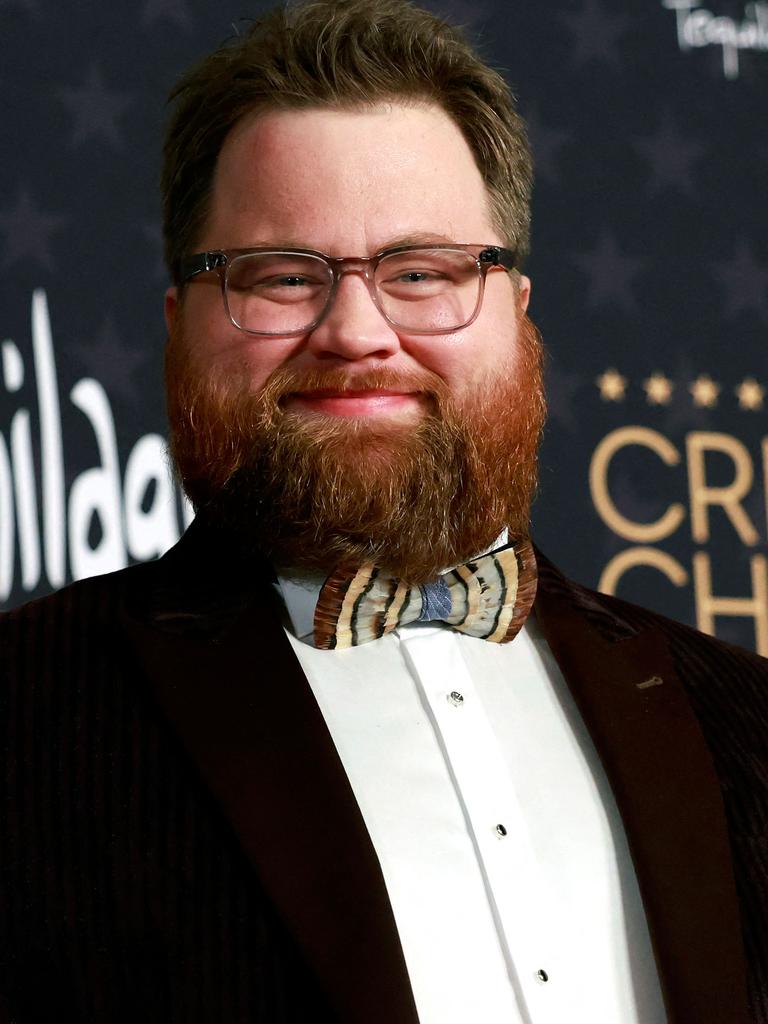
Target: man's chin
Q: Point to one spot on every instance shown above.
(325, 426)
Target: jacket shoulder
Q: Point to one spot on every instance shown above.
(617, 619)
(86, 607)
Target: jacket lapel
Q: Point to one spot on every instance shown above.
(668, 794)
(235, 694)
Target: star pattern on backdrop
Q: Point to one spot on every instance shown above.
(596, 31)
(28, 231)
(113, 362)
(610, 273)
(546, 143)
(705, 391)
(671, 155)
(612, 386)
(175, 11)
(95, 110)
(750, 394)
(682, 414)
(745, 282)
(658, 389)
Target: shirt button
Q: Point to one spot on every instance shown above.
(501, 831)
(456, 698)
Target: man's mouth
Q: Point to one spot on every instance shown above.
(353, 402)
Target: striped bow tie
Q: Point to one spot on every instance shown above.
(489, 598)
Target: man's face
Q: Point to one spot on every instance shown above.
(350, 183)
(355, 441)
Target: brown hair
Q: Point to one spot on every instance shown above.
(341, 53)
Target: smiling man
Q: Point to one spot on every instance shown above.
(328, 759)
(365, 358)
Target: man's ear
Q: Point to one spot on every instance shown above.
(524, 286)
(171, 307)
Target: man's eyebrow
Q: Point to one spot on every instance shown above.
(419, 238)
(277, 243)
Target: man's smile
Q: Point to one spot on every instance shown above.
(348, 402)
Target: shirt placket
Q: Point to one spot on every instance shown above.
(519, 900)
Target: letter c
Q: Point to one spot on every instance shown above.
(642, 533)
(649, 557)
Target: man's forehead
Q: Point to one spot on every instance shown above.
(358, 147)
(405, 169)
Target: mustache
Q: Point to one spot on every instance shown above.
(289, 380)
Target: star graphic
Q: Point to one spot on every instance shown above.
(612, 386)
(658, 389)
(681, 415)
(745, 281)
(750, 394)
(95, 110)
(28, 230)
(171, 10)
(671, 157)
(113, 362)
(596, 32)
(610, 274)
(705, 392)
(545, 143)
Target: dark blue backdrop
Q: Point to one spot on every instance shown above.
(650, 269)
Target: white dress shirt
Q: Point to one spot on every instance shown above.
(501, 847)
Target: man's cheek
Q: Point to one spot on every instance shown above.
(239, 369)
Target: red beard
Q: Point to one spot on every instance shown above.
(316, 492)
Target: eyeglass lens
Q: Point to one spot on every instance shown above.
(420, 290)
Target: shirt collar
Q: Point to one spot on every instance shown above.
(299, 596)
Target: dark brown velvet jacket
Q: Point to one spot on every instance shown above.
(179, 841)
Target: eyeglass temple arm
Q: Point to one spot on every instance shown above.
(499, 257)
(200, 263)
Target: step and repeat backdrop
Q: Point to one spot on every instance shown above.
(650, 271)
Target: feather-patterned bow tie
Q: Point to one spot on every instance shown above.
(489, 597)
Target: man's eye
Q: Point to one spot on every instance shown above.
(283, 289)
(287, 281)
(281, 282)
(415, 276)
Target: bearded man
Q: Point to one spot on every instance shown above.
(327, 760)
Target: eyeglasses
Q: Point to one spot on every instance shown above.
(432, 289)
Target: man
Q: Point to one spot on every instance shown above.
(323, 761)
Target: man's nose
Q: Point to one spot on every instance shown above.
(353, 328)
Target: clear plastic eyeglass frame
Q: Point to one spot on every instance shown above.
(221, 261)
